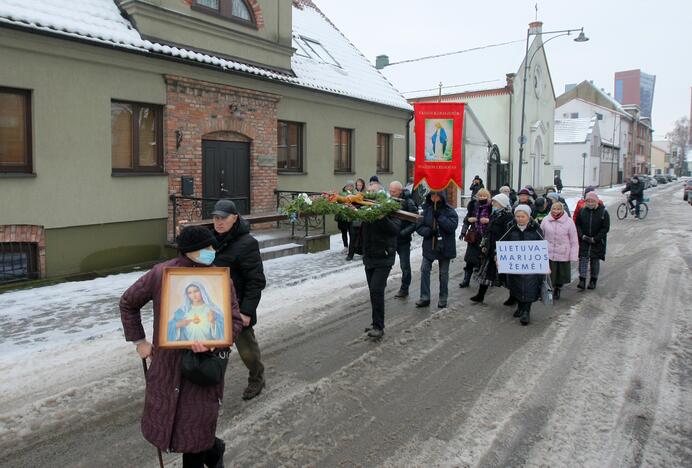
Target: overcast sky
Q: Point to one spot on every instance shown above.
(654, 36)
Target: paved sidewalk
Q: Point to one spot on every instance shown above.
(84, 310)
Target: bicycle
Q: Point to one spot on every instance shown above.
(624, 209)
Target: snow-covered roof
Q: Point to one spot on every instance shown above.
(616, 105)
(100, 21)
(476, 70)
(612, 100)
(354, 76)
(573, 130)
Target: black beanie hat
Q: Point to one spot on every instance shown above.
(193, 238)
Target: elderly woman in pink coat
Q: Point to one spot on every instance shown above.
(563, 246)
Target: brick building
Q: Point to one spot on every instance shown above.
(109, 107)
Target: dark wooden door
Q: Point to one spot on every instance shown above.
(226, 174)
(497, 172)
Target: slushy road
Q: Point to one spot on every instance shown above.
(603, 378)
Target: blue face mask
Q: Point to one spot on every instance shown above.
(495, 209)
(206, 257)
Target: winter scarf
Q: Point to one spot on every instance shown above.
(482, 211)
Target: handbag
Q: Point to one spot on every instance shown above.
(471, 235)
(205, 369)
(547, 291)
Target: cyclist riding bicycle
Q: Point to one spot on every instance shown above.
(636, 189)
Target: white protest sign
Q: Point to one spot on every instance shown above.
(523, 257)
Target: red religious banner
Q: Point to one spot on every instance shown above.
(438, 128)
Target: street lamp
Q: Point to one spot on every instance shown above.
(583, 173)
(527, 64)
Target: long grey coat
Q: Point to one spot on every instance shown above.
(179, 416)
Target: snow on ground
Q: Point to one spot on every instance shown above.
(609, 195)
(74, 359)
(69, 336)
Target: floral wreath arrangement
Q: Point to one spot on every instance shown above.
(357, 207)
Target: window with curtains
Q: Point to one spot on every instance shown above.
(343, 150)
(136, 137)
(289, 147)
(384, 152)
(15, 131)
(237, 10)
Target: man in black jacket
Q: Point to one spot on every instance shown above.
(379, 252)
(403, 246)
(636, 189)
(438, 228)
(240, 251)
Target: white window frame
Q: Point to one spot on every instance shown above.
(318, 51)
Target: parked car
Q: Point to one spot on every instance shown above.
(645, 179)
(687, 191)
(669, 177)
(661, 179)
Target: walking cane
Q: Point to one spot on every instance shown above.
(158, 450)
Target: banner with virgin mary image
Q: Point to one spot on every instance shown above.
(438, 130)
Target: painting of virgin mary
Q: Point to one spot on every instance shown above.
(198, 318)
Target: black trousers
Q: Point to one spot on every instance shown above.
(403, 249)
(377, 281)
(209, 457)
(344, 235)
(353, 234)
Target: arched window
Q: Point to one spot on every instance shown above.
(237, 10)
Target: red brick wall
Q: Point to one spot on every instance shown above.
(27, 233)
(200, 110)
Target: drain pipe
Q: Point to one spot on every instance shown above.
(408, 146)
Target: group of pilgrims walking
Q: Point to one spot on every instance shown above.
(181, 408)
(578, 237)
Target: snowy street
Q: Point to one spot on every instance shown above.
(603, 378)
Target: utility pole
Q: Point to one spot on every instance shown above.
(613, 150)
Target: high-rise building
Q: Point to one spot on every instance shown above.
(636, 87)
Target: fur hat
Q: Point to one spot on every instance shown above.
(193, 238)
(502, 199)
(525, 208)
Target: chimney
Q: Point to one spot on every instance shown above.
(381, 61)
(536, 27)
(510, 80)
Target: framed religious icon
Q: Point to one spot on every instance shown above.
(195, 306)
